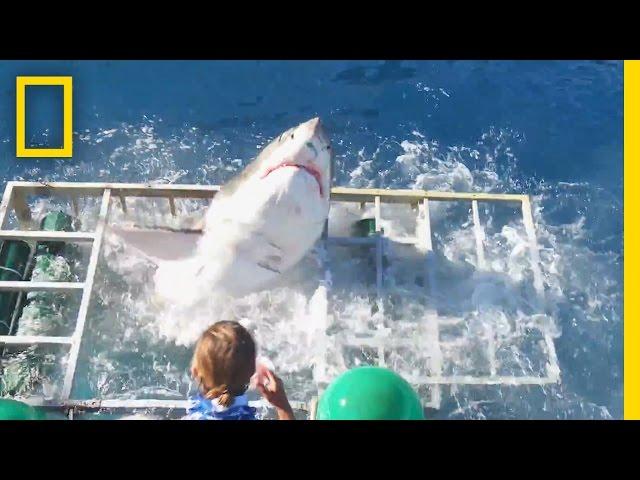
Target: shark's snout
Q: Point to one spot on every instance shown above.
(306, 148)
(316, 129)
(314, 124)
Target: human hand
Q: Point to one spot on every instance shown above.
(272, 389)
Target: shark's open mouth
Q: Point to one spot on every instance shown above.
(310, 169)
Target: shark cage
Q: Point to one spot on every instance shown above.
(433, 330)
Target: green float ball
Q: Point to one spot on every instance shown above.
(370, 393)
(14, 410)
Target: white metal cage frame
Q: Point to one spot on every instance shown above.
(15, 200)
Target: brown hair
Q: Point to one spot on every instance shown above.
(224, 361)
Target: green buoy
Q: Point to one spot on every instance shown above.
(14, 410)
(370, 393)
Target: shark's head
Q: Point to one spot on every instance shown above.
(305, 148)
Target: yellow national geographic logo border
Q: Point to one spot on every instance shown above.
(67, 143)
(631, 262)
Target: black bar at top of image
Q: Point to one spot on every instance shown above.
(325, 31)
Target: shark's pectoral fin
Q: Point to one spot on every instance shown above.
(159, 245)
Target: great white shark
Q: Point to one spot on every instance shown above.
(257, 226)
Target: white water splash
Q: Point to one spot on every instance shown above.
(132, 346)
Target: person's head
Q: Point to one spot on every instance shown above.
(224, 361)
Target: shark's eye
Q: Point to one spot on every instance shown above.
(292, 136)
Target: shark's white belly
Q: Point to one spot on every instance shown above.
(250, 239)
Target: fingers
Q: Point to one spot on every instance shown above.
(273, 383)
(273, 388)
(266, 389)
(263, 391)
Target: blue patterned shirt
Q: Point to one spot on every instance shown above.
(204, 409)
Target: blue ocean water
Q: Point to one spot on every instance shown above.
(553, 129)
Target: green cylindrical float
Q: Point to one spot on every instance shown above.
(15, 410)
(370, 393)
(40, 312)
(365, 227)
(58, 222)
(14, 255)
